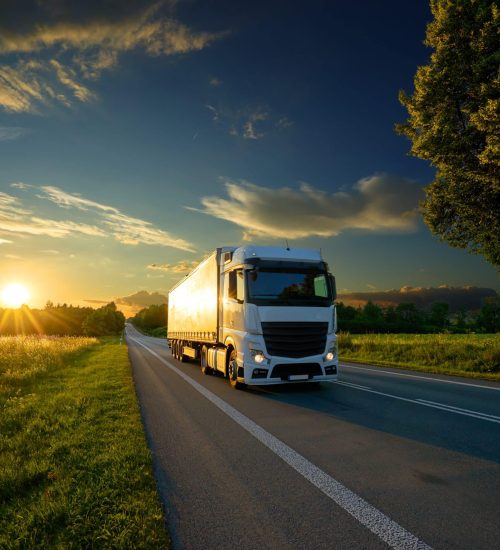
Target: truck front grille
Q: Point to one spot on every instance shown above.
(295, 339)
(292, 369)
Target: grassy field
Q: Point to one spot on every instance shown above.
(470, 355)
(76, 471)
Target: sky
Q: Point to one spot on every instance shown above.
(137, 137)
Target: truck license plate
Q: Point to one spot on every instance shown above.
(298, 377)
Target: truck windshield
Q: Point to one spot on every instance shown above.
(285, 286)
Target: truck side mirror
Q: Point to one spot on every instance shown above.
(333, 286)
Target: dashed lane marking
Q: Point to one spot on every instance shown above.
(377, 370)
(424, 403)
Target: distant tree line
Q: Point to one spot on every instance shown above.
(152, 320)
(62, 320)
(408, 318)
(403, 318)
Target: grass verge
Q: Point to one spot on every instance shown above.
(468, 355)
(159, 332)
(76, 471)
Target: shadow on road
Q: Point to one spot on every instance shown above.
(450, 431)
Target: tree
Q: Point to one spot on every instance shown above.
(454, 122)
(489, 317)
(439, 314)
(152, 317)
(103, 321)
(409, 317)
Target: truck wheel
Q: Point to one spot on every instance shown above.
(232, 371)
(182, 358)
(205, 369)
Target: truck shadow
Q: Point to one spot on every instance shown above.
(438, 428)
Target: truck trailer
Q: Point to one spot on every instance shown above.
(258, 315)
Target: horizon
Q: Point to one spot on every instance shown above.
(468, 297)
(135, 141)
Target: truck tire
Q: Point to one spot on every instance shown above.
(205, 369)
(232, 371)
(182, 358)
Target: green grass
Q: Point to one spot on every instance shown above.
(470, 355)
(159, 332)
(76, 471)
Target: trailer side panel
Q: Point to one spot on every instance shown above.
(192, 304)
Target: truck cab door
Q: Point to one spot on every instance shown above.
(234, 300)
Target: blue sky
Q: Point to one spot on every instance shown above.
(133, 141)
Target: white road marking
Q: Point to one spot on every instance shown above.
(373, 519)
(459, 409)
(343, 383)
(376, 370)
(424, 403)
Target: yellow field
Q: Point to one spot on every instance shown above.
(23, 357)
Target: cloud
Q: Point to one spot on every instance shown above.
(107, 220)
(61, 198)
(135, 231)
(5, 241)
(249, 122)
(376, 203)
(468, 297)
(67, 77)
(10, 133)
(143, 298)
(179, 267)
(57, 55)
(50, 252)
(214, 111)
(15, 219)
(20, 185)
(249, 127)
(284, 123)
(215, 82)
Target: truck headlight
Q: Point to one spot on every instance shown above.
(257, 355)
(331, 353)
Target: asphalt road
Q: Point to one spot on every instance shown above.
(381, 458)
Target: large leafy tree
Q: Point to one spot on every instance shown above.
(454, 122)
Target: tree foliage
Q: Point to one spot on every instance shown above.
(408, 318)
(62, 320)
(151, 318)
(454, 123)
(106, 320)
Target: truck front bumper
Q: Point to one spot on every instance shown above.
(283, 371)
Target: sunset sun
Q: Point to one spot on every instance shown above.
(15, 295)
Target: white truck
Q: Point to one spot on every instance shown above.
(258, 315)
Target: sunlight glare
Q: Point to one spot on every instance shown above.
(15, 295)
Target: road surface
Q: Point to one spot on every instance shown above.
(380, 459)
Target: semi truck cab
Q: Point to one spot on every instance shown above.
(278, 313)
